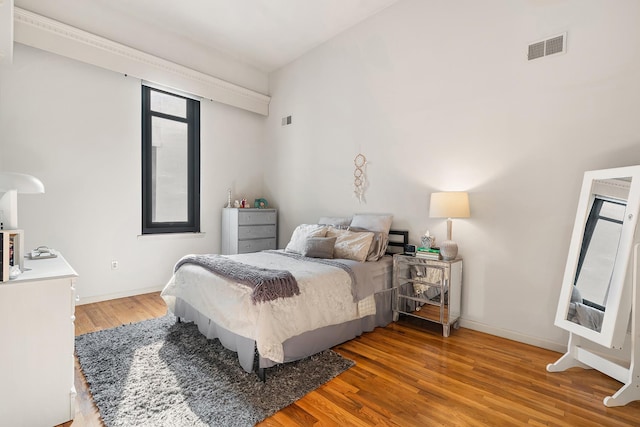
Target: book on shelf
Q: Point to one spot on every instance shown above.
(428, 253)
(428, 256)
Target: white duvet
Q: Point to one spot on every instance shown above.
(325, 299)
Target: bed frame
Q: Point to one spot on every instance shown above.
(308, 343)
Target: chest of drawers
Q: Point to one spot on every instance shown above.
(37, 336)
(248, 230)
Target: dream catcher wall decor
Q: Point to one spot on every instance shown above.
(360, 177)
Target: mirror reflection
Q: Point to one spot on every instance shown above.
(600, 241)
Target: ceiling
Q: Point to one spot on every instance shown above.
(265, 34)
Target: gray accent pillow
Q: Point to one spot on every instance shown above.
(319, 247)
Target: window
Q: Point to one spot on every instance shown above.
(599, 248)
(170, 163)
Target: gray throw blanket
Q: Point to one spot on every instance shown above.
(266, 284)
(359, 274)
(586, 316)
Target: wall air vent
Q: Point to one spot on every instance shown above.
(550, 46)
(536, 50)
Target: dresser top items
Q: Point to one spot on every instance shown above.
(42, 269)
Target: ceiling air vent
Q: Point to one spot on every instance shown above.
(550, 46)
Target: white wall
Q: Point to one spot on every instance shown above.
(77, 128)
(439, 95)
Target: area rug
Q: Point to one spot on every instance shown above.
(162, 373)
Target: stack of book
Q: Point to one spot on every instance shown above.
(428, 253)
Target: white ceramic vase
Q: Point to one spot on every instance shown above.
(448, 250)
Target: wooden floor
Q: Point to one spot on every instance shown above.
(407, 374)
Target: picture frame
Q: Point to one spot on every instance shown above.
(260, 203)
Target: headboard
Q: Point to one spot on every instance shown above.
(397, 240)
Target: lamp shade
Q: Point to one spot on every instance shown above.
(450, 204)
(12, 184)
(20, 182)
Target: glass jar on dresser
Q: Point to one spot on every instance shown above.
(248, 230)
(428, 289)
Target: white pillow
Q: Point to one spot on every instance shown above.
(378, 223)
(373, 222)
(300, 234)
(378, 245)
(335, 220)
(350, 245)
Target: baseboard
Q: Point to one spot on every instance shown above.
(131, 293)
(515, 336)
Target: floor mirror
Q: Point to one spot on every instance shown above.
(599, 301)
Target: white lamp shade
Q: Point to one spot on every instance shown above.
(450, 204)
(11, 184)
(22, 183)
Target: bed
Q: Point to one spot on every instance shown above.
(344, 288)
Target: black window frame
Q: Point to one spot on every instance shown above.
(192, 225)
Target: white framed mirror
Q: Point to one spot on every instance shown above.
(595, 299)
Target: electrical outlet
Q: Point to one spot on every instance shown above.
(114, 265)
(286, 120)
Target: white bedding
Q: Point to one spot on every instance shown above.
(325, 299)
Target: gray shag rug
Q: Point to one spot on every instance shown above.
(162, 373)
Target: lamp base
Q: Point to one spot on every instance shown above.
(448, 250)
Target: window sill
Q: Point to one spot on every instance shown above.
(171, 236)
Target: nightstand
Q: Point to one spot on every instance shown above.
(427, 289)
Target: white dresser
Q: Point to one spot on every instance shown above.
(37, 345)
(248, 230)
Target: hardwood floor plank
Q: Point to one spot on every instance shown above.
(293, 416)
(407, 374)
(327, 412)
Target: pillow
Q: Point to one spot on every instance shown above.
(575, 295)
(350, 245)
(337, 221)
(373, 222)
(300, 234)
(319, 247)
(378, 223)
(378, 244)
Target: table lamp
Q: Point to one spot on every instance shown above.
(12, 183)
(451, 204)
